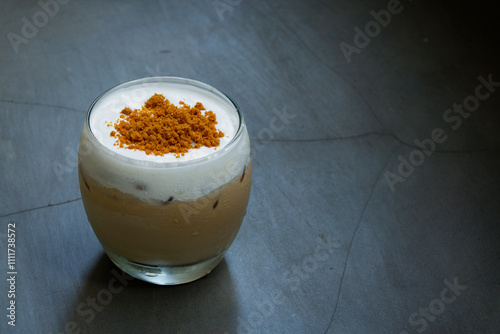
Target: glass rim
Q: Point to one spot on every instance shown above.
(186, 81)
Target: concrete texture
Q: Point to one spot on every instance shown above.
(343, 234)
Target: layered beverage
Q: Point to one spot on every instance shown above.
(165, 218)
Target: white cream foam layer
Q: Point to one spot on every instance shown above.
(156, 178)
(108, 109)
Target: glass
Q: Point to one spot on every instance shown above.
(165, 222)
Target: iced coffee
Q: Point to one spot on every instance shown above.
(165, 174)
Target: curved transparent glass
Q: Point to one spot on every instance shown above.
(165, 222)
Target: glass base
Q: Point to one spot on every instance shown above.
(165, 275)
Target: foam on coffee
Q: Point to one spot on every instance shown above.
(189, 177)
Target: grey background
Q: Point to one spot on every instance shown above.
(319, 179)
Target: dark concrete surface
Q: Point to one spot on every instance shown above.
(336, 239)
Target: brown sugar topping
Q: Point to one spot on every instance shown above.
(160, 127)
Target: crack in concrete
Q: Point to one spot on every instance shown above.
(41, 105)
(361, 96)
(352, 241)
(382, 134)
(40, 207)
(285, 140)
